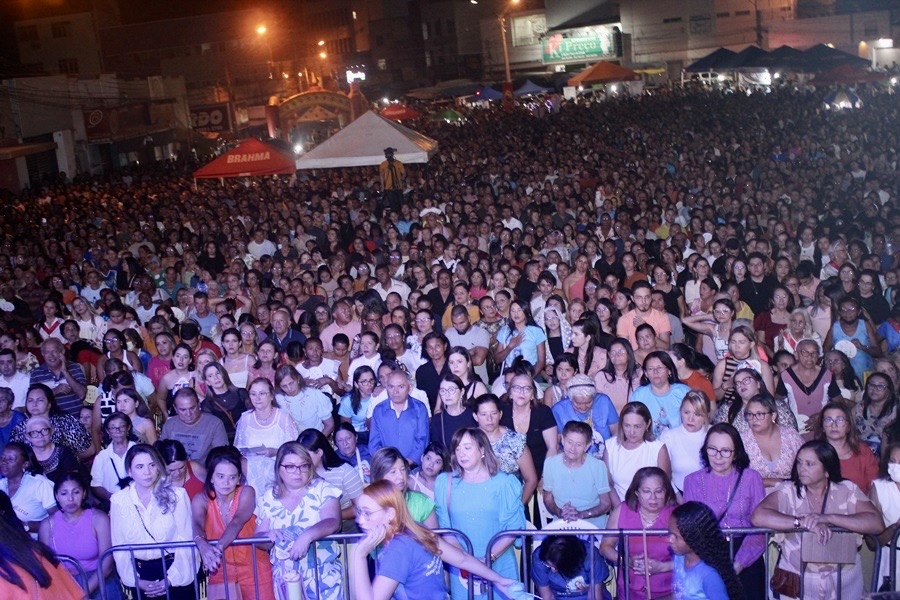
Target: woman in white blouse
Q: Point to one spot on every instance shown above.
(261, 432)
(151, 511)
(108, 473)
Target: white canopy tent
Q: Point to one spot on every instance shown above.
(362, 143)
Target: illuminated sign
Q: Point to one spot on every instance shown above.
(355, 76)
(581, 44)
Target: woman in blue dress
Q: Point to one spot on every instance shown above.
(521, 337)
(864, 344)
(480, 501)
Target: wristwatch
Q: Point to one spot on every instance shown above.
(796, 522)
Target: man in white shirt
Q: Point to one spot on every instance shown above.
(260, 246)
(11, 378)
(509, 221)
(386, 284)
(473, 338)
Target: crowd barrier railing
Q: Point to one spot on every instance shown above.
(81, 575)
(527, 536)
(892, 560)
(262, 543)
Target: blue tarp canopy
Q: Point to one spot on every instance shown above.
(712, 61)
(488, 93)
(825, 58)
(747, 58)
(529, 88)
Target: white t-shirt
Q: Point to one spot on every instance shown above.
(108, 468)
(34, 498)
(258, 250)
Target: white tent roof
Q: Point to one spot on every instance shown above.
(362, 143)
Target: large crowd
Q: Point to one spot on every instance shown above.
(674, 312)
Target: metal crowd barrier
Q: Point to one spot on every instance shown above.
(345, 539)
(526, 535)
(892, 548)
(81, 576)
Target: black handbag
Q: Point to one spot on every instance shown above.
(154, 569)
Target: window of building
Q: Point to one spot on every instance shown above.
(379, 40)
(742, 13)
(27, 33)
(723, 15)
(424, 30)
(437, 28)
(61, 29)
(428, 58)
(672, 20)
(68, 66)
(700, 24)
(382, 64)
(871, 31)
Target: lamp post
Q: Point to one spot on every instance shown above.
(501, 18)
(262, 31)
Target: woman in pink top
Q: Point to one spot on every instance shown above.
(648, 504)
(82, 533)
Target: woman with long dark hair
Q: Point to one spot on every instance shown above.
(354, 405)
(521, 336)
(79, 530)
(703, 566)
(28, 568)
(621, 375)
(876, 415)
(225, 513)
(587, 346)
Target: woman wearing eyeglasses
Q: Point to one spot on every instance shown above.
(771, 446)
(298, 510)
(732, 489)
(863, 344)
(22, 480)
(55, 459)
(875, 416)
(108, 469)
(508, 445)
(806, 385)
(858, 463)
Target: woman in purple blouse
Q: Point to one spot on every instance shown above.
(728, 485)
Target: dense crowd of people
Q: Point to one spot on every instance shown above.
(674, 312)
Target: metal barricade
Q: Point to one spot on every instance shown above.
(345, 539)
(81, 576)
(892, 562)
(525, 534)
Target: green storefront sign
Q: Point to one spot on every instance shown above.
(587, 43)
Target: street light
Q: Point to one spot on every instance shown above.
(262, 30)
(502, 20)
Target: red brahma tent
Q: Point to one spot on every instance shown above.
(250, 158)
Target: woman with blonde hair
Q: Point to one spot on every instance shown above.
(406, 554)
(152, 511)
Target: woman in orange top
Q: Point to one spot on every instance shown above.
(224, 513)
(28, 570)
